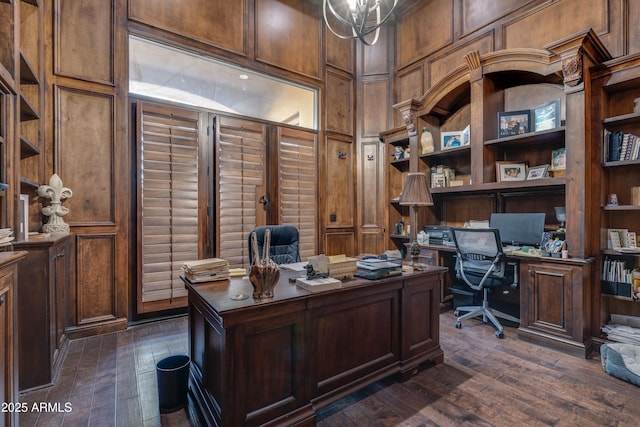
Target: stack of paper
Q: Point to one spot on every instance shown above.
(206, 270)
(318, 285)
(6, 236)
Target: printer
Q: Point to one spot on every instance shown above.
(439, 235)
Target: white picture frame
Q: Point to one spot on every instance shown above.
(510, 171)
(23, 231)
(451, 140)
(537, 172)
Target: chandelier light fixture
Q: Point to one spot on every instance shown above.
(357, 19)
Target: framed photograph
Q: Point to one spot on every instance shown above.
(466, 135)
(451, 139)
(537, 172)
(23, 232)
(512, 123)
(511, 171)
(546, 116)
(559, 159)
(438, 179)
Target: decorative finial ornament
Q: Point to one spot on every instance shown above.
(55, 211)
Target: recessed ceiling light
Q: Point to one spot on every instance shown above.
(243, 76)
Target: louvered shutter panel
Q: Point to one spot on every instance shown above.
(241, 174)
(168, 198)
(298, 186)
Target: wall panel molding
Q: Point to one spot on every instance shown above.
(295, 46)
(375, 106)
(340, 199)
(424, 31)
(218, 23)
(95, 294)
(84, 40)
(86, 155)
(339, 103)
(555, 21)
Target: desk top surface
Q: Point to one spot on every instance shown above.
(522, 257)
(226, 295)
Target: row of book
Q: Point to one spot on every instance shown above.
(615, 270)
(623, 146)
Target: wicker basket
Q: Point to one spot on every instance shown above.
(341, 267)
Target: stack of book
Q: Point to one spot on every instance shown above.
(6, 236)
(623, 146)
(206, 270)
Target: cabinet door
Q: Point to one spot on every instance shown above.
(59, 302)
(421, 310)
(550, 304)
(7, 384)
(5, 352)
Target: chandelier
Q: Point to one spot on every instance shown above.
(351, 19)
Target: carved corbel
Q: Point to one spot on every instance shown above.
(409, 111)
(475, 65)
(572, 69)
(409, 118)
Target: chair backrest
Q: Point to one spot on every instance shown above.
(284, 247)
(477, 251)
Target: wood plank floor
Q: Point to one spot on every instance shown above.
(110, 380)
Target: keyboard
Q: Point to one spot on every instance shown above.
(510, 248)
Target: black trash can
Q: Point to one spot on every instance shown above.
(173, 383)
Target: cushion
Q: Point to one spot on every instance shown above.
(622, 361)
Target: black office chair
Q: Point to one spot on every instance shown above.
(481, 264)
(284, 247)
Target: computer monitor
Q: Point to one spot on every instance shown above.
(518, 229)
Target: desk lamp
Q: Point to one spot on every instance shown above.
(415, 193)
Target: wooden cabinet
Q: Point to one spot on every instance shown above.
(8, 334)
(616, 87)
(556, 299)
(42, 303)
(276, 362)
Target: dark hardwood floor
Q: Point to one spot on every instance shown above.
(111, 380)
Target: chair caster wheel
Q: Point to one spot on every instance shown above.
(500, 334)
(458, 325)
(456, 313)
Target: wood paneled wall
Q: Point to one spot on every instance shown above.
(433, 36)
(87, 129)
(92, 141)
(87, 146)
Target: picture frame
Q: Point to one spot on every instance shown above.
(451, 140)
(466, 135)
(559, 159)
(511, 171)
(546, 116)
(23, 231)
(537, 172)
(511, 123)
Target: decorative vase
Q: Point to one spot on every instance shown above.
(426, 141)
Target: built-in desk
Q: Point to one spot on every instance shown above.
(555, 298)
(278, 361)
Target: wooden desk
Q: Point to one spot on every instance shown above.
(276, 362)
(555, 298)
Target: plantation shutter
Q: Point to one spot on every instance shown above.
(168, 203)
(298, 186)
(241, 159)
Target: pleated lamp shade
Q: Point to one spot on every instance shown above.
(416, 190)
